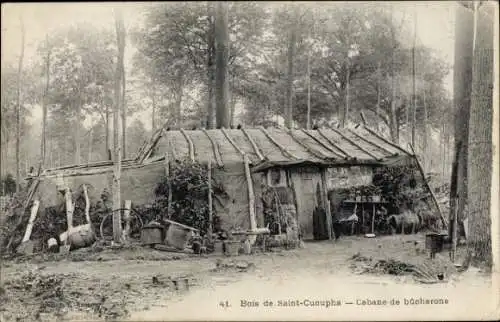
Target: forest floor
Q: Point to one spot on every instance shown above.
(136, 283)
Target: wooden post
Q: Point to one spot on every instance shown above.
(87, 205)
(326, 204)
(126, 217)
(167, 174)
(29, 228)
(251, 197)
(210, 214)
(454, 235)
(69, 215)
(373, 219)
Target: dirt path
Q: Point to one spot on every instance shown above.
(136, 284)
(464, 299)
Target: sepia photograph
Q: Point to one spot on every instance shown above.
(253, 160)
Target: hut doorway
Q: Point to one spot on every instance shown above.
(305, 182)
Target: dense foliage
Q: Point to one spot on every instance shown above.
(189, 183)
(399, 185)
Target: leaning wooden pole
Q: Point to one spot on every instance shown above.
(210, 206)
(433, 196)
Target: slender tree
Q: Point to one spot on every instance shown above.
(124, 106)
(414, 90)
(292, 40)
(19, 104)
(120, 38)
(211, 107)
(44, 102)
(221, 76)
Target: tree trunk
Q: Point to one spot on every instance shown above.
(345, 116)
(108, 134)
(18, 108)
(462, 79)
(44, 103)
(210, 68)
(308, 124)
(222, 56)
(427, 156)
(120, 38)
(414, 90)
(76, 133)
(377, 107)
(153, 106)
(232, 104)
(89, 159)
(480, 154)
(178, 98)
(290, 77)
(124, 110)
(393, 117)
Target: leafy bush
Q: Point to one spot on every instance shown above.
(189, 184)
(398, 184)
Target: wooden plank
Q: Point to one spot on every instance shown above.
(215, 149)
(232, 142)
(347, 156)
(282, 148)
(321, 143)
(190, 143)
(354, 143)
(317, 154)
(370, 142)
(385, 140)
(434, 199)
(254, 145)
(251, 196)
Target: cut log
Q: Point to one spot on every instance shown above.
(317, 154)
(322, 144)
(347, 156)
(354, 143)
(385, 140)
(370, 142)
(190, 143)
(29, 228)
(254, 145)
(232, 142)
(280, 147)
(215, 149)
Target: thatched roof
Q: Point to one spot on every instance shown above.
(274, 147)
